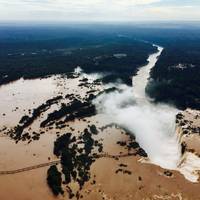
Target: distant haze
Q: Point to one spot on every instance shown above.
(98, 10)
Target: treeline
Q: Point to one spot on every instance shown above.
(93, 52)
(26, 121)
(176, 76)
(74, 110)
(77, 155)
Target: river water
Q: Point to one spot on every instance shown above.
(152, 124)
(141, 79)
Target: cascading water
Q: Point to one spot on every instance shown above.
(153, 125)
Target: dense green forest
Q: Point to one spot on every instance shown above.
(40, 56)
(176, 76)
(37, 51)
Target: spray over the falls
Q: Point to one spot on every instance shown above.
(152, 124)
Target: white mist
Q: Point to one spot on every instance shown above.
(153, 125)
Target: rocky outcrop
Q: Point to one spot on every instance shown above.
(188, 130)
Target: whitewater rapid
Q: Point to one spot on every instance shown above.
(152, 124)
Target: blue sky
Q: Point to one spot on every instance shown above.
(99, 10)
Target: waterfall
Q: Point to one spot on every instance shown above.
(152, 124)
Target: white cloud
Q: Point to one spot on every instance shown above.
(90, 10)
(176, 12)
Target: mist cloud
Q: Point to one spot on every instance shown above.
(152, 124)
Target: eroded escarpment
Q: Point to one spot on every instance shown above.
(188, 130)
